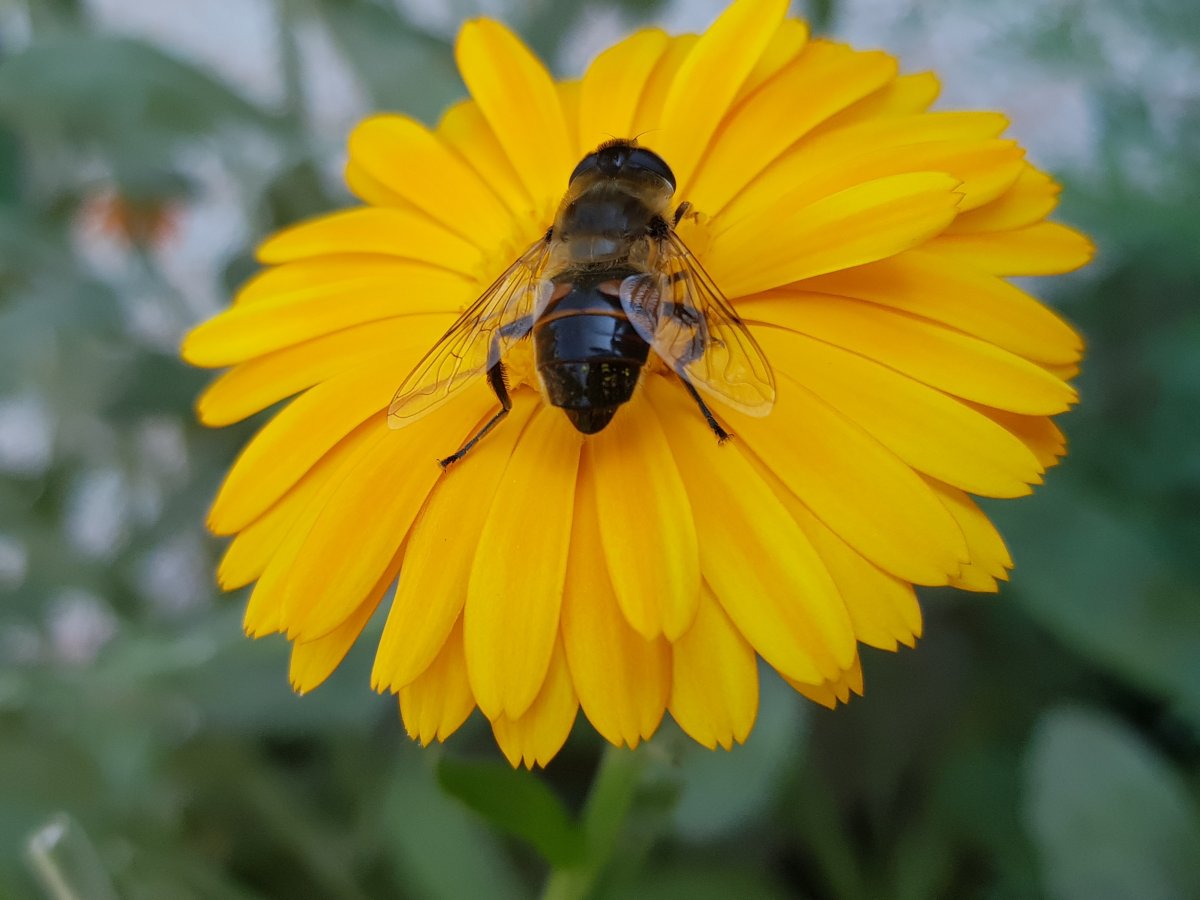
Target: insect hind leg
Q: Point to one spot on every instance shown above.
(495, 377)
(721, 433)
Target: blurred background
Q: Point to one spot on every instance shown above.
(1043, 743)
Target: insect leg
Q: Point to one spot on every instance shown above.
(721, 433)
(684, 208)
(495, 377)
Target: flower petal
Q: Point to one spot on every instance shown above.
(953, 362)
(1038, 433)
(714, 680)
(252, 386)
(539, 733)
(340, 560)
(465, 131)
(433, 583)
(516, 587)
(1044, 249)
(305, 430)
(989, 558)
(929, 285)
(518, 99)
(859, 225)
(1029, 199)
(654, 95)
(314, 661)
(412, 162)
(623, 679)
(788, 42)
(251, 550)
(906, 95)
(613, 85)
(436, 704)
(837, 690)
(872, 500)
(763, 570)
(646, 525)
(709, 78)
(829, 76)
(370, 229)
(930, 431)
(883, 608)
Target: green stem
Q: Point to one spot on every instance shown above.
(607, 807)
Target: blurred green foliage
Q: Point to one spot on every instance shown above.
(1043, 743)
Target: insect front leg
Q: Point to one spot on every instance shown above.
(495, 377)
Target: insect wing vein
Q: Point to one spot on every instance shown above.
(477, 340)
(702, 338)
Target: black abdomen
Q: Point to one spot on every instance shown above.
(589, 356)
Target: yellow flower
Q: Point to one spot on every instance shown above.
(865, 241)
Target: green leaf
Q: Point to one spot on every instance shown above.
(1089, 576)
(518, 803)
(722, 791)
(119, 92)
(399, 66)
(441, 851)
(1110, 817)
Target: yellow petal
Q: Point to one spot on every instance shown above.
(714, 679)
(539, 733)
(334, 274)
(828, 161)
(1038, 433)
(853, 484)
(370, 229)
(654, 95)
(305, 430)
(927, 284)
(243, 333)
(646, 523)
(953, 362)
(613, 85)
(989, 558)
(254, 385)
(783, 244)
(518, 99)
(763, 570)
(1029, 199)
(433, 583)
(314, 661)
(883, 609)
(411, 162)
(907, 95)
(829, 77)
(570, 96)
(788, 42)
(436, 704)
(708, 80)
(366, 520)
(248, 554)
(465, 131)
(1044, 249)
(933, 433)
(265, 611)
(837, 690)
(622, 678)
(516, 586)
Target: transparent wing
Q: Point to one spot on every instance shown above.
(682, 314)
(502, 315)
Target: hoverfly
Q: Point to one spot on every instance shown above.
(609, 282)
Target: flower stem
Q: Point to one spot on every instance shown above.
(604, 815)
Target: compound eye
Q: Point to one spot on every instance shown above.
(589, 163)
(641, 158)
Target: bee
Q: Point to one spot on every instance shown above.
(609, 282)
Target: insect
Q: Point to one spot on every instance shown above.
(608, 283)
